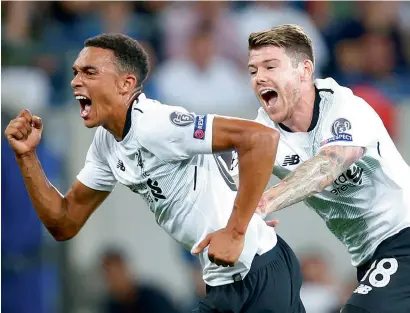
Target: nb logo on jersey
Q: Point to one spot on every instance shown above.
(291, 160)
(155, 190)
(120, 165)
(363, 289)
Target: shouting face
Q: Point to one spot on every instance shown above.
(276, 81)
(98, 85)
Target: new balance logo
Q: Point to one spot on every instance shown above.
(363, 289)
(291, 160)
(120, 165)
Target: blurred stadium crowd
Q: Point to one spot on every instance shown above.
(198, 54)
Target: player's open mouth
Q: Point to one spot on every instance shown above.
(85, 104)
(269, 96)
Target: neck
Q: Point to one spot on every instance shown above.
(116, 127)
(302, 111)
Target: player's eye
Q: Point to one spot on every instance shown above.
(252, 73)
(75, 73)
(271, 67)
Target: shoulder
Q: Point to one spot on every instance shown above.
(154, 112)
(101, 137)
(160, 120)
(343, 100)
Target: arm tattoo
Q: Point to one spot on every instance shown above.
(312, 176)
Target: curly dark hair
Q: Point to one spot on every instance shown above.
(130, 55)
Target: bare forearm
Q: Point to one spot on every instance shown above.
(311, 177)
(255, 165)
(49, 204)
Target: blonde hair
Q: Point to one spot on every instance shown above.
(292, 38)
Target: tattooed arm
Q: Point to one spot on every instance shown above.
(309, 178)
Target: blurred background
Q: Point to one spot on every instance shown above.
(122, 261)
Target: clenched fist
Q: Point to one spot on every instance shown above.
(24, 132)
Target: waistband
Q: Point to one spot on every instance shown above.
(261, 261)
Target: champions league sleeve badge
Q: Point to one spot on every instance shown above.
(181, 119)
(339, 131)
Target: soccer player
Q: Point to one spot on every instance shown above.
(168, 156)
(335, 155)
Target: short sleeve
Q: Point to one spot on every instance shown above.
(96, 173)
(172, 133)
(350, 122)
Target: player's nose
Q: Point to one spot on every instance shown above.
(261, 77)
(76, 82)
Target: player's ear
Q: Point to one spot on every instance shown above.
(128, 83)
(307, 70)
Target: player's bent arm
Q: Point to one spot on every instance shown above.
(256, 146)
(63, 216)
(310, 178)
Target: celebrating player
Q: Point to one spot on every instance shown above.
(335, 154)
(168, 156)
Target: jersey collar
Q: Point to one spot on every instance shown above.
(315, 116)
(128, 119)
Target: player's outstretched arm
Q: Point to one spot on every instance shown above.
(309, 178)
(256, 146)
(62, 215)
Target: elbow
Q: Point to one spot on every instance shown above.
(267, 138)
(61, 233)
(62, 237)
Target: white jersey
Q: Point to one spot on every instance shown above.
(371, 200)
(166, 157)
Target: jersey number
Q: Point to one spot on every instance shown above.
(379, 276)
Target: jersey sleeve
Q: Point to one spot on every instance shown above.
(172, 133)
(96, 173)
(350, 122)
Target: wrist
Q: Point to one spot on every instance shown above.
(30, 155)
(236, 226)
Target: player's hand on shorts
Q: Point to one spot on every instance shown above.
(225, 247)
(24, 132)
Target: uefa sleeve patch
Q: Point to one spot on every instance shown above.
(181, 119)
(200, 127)
(340, 129)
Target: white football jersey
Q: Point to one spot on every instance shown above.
(166, 157)
(371, 200)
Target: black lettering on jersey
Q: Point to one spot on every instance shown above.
(355, 174)
(291, 160)
(353, 177)
(222, 170)
(155, 190)
(120, 165)
(140, 164)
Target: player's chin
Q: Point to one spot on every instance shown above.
(276, 115)
(90, 123)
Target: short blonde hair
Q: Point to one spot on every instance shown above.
(292, 38)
